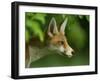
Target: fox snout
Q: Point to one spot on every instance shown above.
(69, 51)
(66, 49)
(58, 39)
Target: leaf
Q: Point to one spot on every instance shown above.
(35, 28)
(81, 16)
(29, 15)
(87, 17)
(63, 15)
(27, 36)
(40, 17)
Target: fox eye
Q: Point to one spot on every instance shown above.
(61, 42)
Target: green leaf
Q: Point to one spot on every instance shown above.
(81, 16)
(40, 17)
(27, 36)
(87, 17)
(29, 14)
(63, 15)
(35, 28)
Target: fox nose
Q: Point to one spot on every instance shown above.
(69, 52)
(72, 52)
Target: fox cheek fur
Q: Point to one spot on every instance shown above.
(58, 38)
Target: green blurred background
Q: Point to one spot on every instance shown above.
(77, 33)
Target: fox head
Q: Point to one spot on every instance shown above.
(58, 39)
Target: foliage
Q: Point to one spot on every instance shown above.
(33, 25)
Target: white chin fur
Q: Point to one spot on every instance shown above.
(69, 52)
(61, 48)
(69, 55)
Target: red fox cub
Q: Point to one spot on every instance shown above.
(55, 41)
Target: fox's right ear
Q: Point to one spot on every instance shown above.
(63, 25)
(52, 25)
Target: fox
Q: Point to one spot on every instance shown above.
(55, 41)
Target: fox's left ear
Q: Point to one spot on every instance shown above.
(63, 25)
(52, 25)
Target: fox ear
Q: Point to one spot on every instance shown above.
(63, 25)
(52, 25)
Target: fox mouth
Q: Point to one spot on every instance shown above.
(63, 54)
(67, 55)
